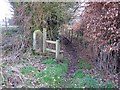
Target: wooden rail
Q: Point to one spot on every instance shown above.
(51, 50)
(52, 42)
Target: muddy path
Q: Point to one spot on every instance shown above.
(71, 54)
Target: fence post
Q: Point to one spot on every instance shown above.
(44, 40)
(34, 41)
(57, 49)
(37, 42)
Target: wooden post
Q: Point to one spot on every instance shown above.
(44, 40)
(57, 49)
(39, 39)
(34, 41)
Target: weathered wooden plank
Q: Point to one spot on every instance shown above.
(44, 39)
(52, 42)
(54, 51)
(50, 50)
(57, 49)
(61, 51)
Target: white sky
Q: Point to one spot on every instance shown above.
(5, 9)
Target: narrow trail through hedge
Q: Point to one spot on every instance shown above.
(71, 54)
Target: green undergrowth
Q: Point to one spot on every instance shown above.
(83, 64)
(85, 82)
(81, 80)
(53, 76)
(108, 85)
(29, 70)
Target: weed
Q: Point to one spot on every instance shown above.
(53, 75)
(86, 81)
(108, 85)
(49, 61)
(79, 74)
(29, 70)
(84, 65)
